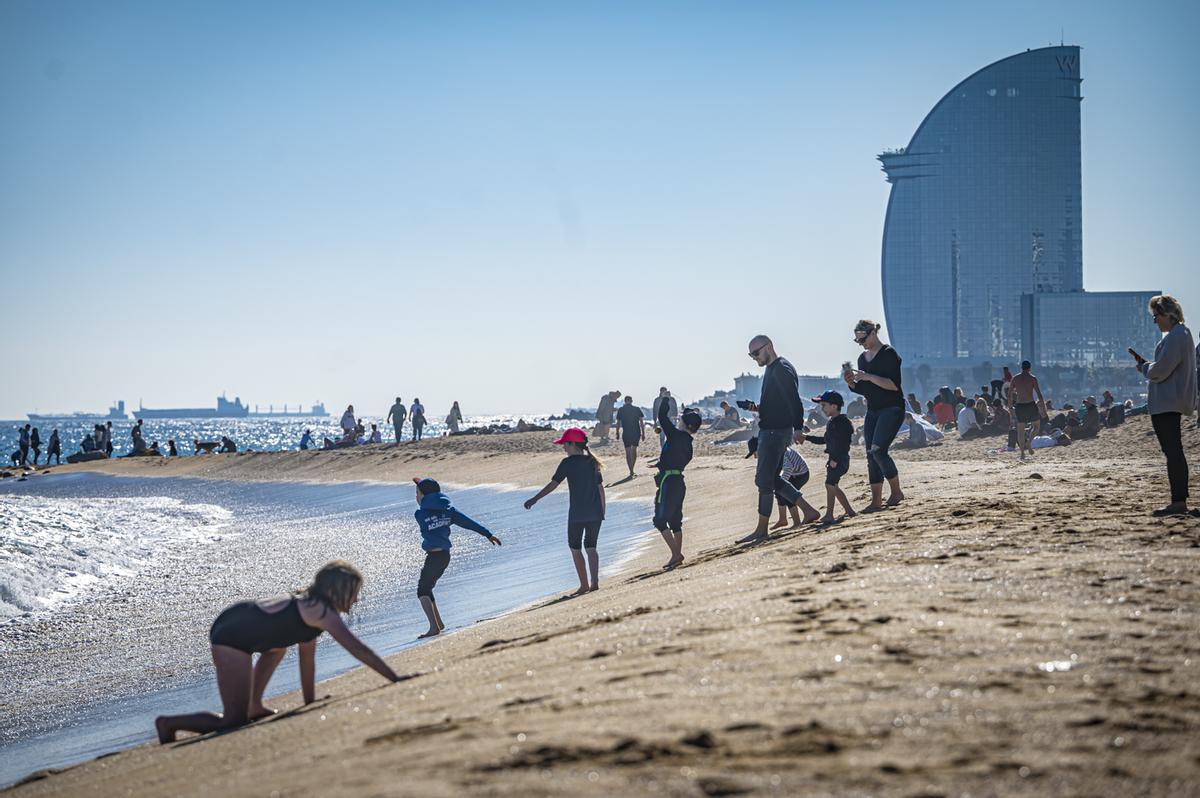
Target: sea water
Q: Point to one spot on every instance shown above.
(108, 586)
(259, 434)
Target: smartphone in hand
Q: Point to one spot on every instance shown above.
(1136, 356)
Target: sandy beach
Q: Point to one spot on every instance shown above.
(1012, 628)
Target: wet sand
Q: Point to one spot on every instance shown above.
(1010, 629)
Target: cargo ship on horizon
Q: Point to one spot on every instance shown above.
(228, 409)
(115, 413)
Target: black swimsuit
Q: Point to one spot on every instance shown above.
(248, 627)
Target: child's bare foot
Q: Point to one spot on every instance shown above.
(165, 733)
(260, 711)
(433, 632)
(811, 517)
(593, 588)
(582, 589)
(780, 524)
(871, 508)
(827, 519)
(895, 498)
(673, 562)
(849, 514)
(754, 537)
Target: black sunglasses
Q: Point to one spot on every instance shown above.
(754, 352)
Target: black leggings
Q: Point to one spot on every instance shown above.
(1170, 438)
(431, 571)
(668, 503)
(583, 534)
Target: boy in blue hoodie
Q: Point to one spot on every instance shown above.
(435, 516)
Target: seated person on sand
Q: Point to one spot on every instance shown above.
(269, 628)
(227, 445)
(918, 436)
(968, 425)
(1001, 421)
(171, 450)
(89, 443)
(1116, 414)
(208, 447)
(1090, 426)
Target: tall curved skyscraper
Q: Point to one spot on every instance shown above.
(985, 207)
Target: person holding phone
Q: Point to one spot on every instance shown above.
(1171, 394)
(877, 379)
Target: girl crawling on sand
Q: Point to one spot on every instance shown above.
(269, 628)
(581, 470)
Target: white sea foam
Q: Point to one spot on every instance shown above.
(54, 551)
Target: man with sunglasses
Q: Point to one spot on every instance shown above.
(780, 423)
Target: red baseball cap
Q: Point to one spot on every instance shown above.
(573, 435)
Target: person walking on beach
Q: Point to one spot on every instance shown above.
(780, 422)
(585, 514)
(454, 418)
(108, 438)
(877, 379)
(416, 414)
(672, 410)
(269, 628)
(23, 444)
(1024, 408)
(435, 515)
(395, 417)
(1172, 393)
(348, 422)
(631, 428)
(54, 449)
(35, 443)
(838, 433)
(668, 499)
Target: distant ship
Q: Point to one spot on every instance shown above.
(224, 409)
(317, 411)
(115, 413)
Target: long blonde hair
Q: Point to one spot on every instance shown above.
(595, 461)
(335, 585)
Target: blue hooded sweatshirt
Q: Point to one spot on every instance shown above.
(435, 517)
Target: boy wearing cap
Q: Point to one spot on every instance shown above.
(435, 515)
(838, 433)
(668, 499)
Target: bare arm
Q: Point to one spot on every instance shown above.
(332, 623)
(603, 500)
(543, 493)
(1037, 388)
(308, 670)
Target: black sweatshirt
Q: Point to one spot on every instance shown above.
(886, 363)
(780, 407)
(838, 433)
(677, 448)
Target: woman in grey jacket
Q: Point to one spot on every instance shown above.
(1172, 393)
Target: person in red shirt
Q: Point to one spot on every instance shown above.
(942, 412)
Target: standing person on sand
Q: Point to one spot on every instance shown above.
(35, 443)
(108, 444)
(878, 380)
(454, 418)
(416, 415)
(836, 439)
(604, 415)
(23, 444)
(582, 471)
(55, 449)
(631, 428)
(348, 423)
(395, 417)
(672, 410)
(1172, 393)
(435, 515)
(1023, 407)
(780, 422)
(269, 628)
(668, 499)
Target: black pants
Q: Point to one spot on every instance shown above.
(431, 571)
(1170, 438)
(668, 503)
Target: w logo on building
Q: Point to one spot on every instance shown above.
(1068, 63)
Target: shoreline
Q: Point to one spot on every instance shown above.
(998, 632)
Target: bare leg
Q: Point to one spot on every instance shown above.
(831, 492)
(895, 495)
(630, 457)
(782, 522)
(810, 513)
(841, 496)
(430, 608)
(580, 571)
(876, 498)
(267, 662)
(760, 532)
(234, 677)
(593, 557)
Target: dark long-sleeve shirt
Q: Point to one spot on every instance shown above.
(886, 363)
(677, 446)
(436, 515)
(780, 407)
(838, 433)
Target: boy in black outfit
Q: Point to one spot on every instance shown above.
(838, 433)
(668, 500)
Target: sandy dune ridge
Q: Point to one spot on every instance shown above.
(1010, 629)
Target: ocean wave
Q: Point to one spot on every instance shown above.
(55, 551)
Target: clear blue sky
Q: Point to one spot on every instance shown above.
(516, 205)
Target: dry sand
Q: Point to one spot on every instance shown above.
(1011, 629)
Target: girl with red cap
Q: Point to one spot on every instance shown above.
(581, 470)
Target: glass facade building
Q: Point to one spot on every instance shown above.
(1090, 329)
